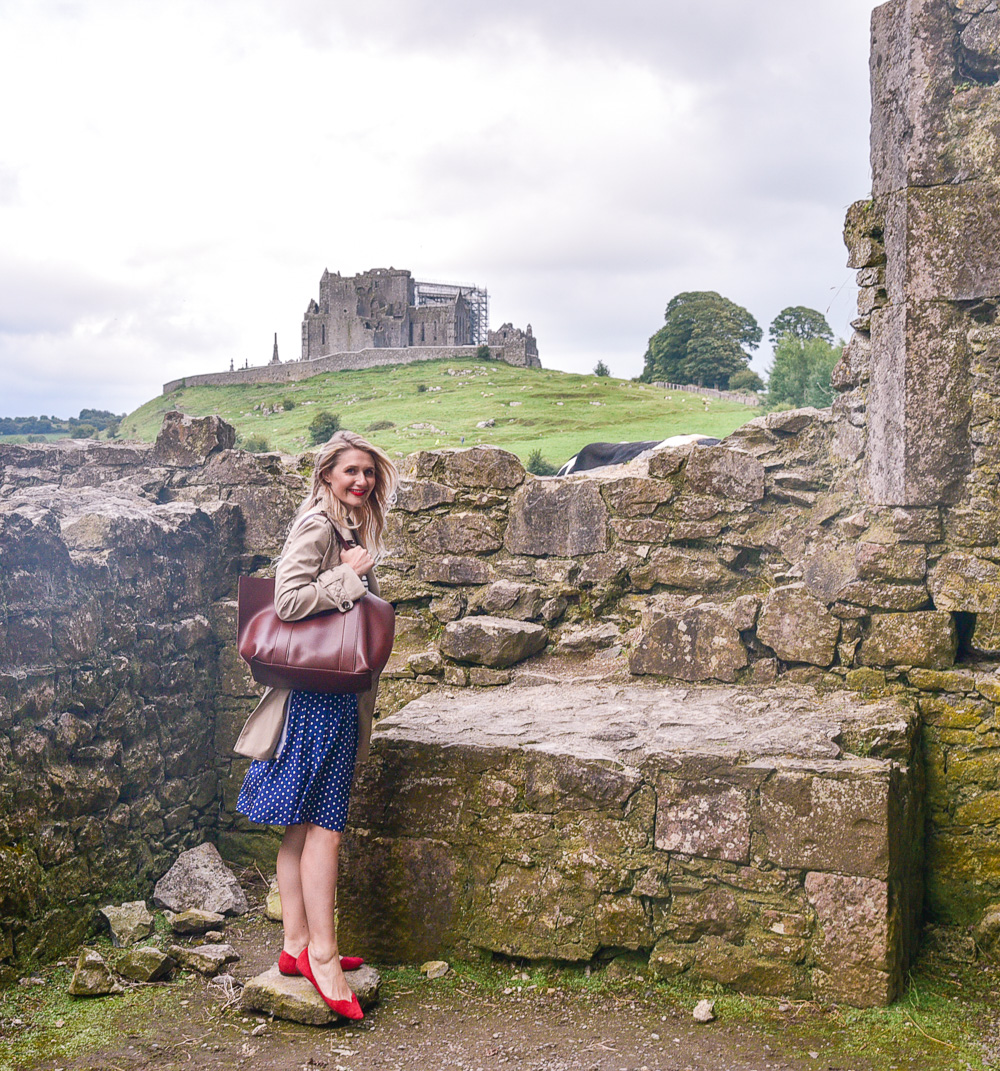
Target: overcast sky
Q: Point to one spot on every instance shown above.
(175, 177)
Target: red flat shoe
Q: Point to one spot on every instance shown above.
(349, 1009)
(286, 964)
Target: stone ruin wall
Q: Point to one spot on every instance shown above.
(752, 562)
(292, 371)
(811, 548)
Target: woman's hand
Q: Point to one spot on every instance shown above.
(358, 559)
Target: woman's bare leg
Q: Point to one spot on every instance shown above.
(293, 911)
(318, 873)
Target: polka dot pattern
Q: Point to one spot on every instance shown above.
(310, 778)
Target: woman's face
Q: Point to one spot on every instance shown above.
(352, 478)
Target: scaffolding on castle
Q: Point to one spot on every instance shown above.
(444, 294)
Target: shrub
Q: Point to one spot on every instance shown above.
(421, 387)
(255, 444)
(84, 431)
(323, 425)
(538, 466)
(601, 369)
(288, 404)
(483, 353)
(746, 380)
(380, 425)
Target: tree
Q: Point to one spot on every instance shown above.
(705, 340)
(601, 369)
(746, 379)
(323, 425)
(801, 323)
(800, 374)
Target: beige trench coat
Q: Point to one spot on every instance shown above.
(309, 578)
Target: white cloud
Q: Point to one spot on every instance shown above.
(176, 177)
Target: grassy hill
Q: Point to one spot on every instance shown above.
(438, 403)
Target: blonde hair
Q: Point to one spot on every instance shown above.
(368, 520)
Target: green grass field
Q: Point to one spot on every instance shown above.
(439, 403)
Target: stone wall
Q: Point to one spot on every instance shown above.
(292, 371)
(117, 565)
(855, 551)
(750, 563)
(920, 376)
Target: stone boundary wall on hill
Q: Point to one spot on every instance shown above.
(292, 371)
(711, 392)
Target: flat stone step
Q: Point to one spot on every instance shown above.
(768, 840)
(295, 998)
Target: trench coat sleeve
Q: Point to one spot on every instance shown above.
(309, 577)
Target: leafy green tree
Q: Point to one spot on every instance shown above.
(746, 380)
(800, 374)
(323, 425)
(800, 323)
(601, 369)
(705, 340)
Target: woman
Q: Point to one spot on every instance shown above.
(327, 563)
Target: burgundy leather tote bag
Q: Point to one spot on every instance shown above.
(332, 651)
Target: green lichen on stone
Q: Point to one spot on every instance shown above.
(871, 683)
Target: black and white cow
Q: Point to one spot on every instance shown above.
(597, 455)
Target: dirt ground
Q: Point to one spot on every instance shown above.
(494, 1017)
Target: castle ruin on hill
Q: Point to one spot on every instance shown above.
(380, 317)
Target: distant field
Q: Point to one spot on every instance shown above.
(533, 408)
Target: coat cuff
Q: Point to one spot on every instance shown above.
(343, 585)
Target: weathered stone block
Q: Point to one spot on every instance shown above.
(986, 634)
(918, 405)
(483, 466)
(562, 518)
(200, 879)
(205, 959)
(698, 644)
(965, 582)
(708, 818)
(187, 440)
(492, 641)
(416, 495)
(459, 533)
(145, 965)
(941, 243)
(453, 570)
(831, 823)
(880, 561)
(635, 496)
(129, 922)
(912, 69)
(858, 963)
(723, 471)
(529, 817)
(798, 627)
(92, 976)
(926, 639)
(689, 569)
(296, 999)
(508, 598)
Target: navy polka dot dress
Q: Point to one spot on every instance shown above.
(309, 779)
